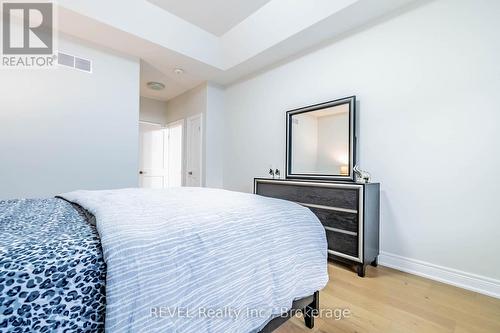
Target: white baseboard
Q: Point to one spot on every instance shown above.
(477, 283)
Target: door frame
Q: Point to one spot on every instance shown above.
(188, 119)
(162, 128)
(150, 123)
(183, 148)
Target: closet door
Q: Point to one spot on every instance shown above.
(152, 171)
(174, 155)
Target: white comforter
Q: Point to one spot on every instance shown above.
(201, 260)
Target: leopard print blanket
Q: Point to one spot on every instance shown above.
(52, 272)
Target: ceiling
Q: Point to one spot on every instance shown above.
(256, 34)
(214, 16)
(175, 84)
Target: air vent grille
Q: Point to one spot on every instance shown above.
(68, 60)
(65, 59)
(83, 64)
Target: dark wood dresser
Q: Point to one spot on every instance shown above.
(349, 212)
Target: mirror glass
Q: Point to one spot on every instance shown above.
(320, 142)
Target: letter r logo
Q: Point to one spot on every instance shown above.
(27, 28)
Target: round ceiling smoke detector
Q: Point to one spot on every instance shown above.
(155, 85)
(178, 71)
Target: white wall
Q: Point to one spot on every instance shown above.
(188, 104)
(428, 84)
(214, 136)
(153, 111)
(63, 129)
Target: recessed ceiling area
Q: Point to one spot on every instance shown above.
(214, 16)
(261, 33)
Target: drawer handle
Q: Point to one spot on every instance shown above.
(337, 209)
(352, 233)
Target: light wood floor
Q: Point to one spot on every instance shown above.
(390, 301)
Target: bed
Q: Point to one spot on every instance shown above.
(173, 260)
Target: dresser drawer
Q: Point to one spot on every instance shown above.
(348, 211)
(342, 243)
(335, 219)
(346, 198)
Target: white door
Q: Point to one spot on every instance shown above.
(194, 151)
(152, 172)
(175, 132)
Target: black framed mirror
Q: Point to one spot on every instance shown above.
(321, 141)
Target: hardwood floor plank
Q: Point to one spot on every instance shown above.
(390, 301)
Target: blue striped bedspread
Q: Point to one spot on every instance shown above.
(203, 260)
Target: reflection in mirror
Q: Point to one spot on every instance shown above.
(320, 141)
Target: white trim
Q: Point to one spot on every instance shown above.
(202, 143)
(180, 121)
(150, 123)
(454, 277)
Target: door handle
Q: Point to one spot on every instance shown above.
(141, 172)
(190, 173)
